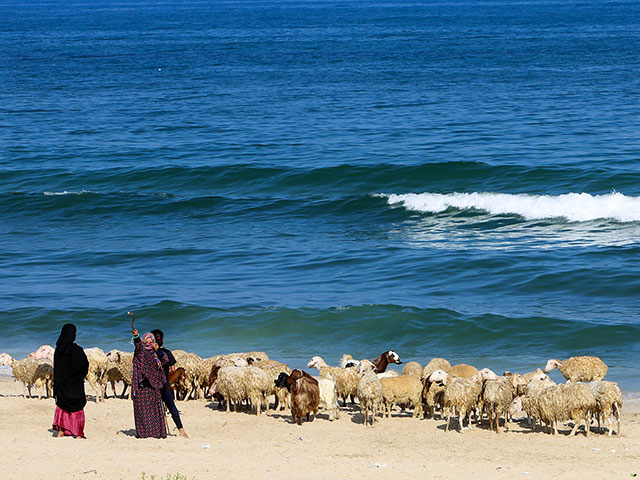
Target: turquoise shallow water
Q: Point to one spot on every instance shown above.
(453, 179)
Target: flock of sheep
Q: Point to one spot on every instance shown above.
(435, 390)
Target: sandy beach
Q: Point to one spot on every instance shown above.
(241, 445)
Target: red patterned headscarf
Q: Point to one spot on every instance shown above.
(147, 340)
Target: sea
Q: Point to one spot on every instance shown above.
(442, 178)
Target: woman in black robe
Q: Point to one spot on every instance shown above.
(70, 367)
(147, 380)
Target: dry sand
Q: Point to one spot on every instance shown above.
(244, 446)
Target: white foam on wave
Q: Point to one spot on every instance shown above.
(65, 192)
(575, 207)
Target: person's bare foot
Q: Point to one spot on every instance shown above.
(183, 433)
(60, 433)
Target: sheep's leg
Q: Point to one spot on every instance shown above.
(446, 428)
(460, 425)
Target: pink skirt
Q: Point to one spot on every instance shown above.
(70, 423)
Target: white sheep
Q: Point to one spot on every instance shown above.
(608, 402)
(567, 401)
(329, 395)
(236, 384)
(461, 395)
(98, 365)
(273, 369)
(33, 372)
(369, 391)
(529, 401)
(497, 396)
(119, 368)
(402, 390)
(579, 369)
(346, 378)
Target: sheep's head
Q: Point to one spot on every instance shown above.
(239, 362)
(316, 362)
(366, 366)
(439, 377)
(487, 374)
(519, 382)
(538, 377)
(113, 356)
(551, 364)
(516, 406)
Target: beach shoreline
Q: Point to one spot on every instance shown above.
(243, 445)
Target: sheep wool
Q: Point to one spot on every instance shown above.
(579, 369)
(369, 391)
(608, 402)
(405, 390)
(412, 368)
(567, 401)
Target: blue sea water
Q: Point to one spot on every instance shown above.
(442, 178)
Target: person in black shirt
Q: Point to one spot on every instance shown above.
(167, 395)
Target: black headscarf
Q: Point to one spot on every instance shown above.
(70, 367)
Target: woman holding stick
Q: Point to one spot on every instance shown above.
(146, 382)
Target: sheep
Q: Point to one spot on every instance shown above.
(274, 369)
(579, 369)
(202, 376)
(497, 396)
(412, 368)
(228, 381)
(405, 389)
(566, 401)
(119, 368)
(194, 371)
(461, 394)
(433, 365)
(33, 372)
(346, 378)
(529, 401)
(462, 370)
(608, 402)
(329, 395)
(369, 391)
(236, 384)
(433, 395)
(98, 365)
(305, 393)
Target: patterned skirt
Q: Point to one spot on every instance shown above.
(71, 423)
(149, 414)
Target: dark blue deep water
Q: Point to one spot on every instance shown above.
(443, 178)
